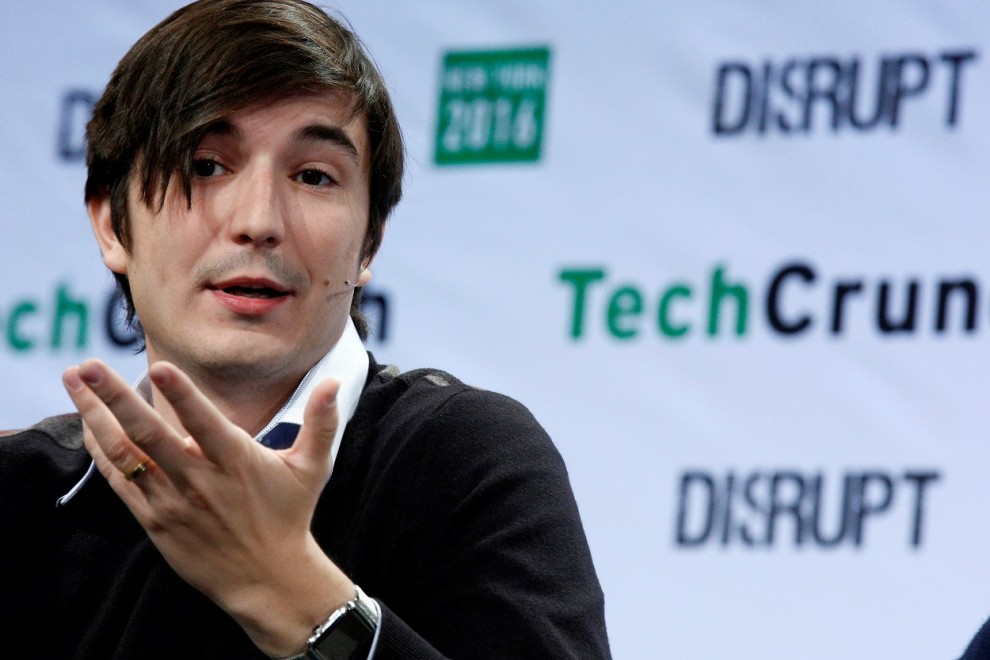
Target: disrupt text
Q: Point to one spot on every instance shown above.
(797, 95)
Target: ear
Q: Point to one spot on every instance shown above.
(364, 276)
(114, 255)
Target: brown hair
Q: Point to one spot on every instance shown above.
(214, 57)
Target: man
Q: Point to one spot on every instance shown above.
(242, 162)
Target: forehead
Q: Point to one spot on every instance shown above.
(328, 118)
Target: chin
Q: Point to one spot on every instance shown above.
(241, 362)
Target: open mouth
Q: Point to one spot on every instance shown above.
(253, 291)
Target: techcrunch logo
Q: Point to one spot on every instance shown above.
(64, 321)
(792, 300)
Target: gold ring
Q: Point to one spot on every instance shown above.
(137, 470)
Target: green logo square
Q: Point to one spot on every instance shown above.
(492, 106)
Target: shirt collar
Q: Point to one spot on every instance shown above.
(347, 361)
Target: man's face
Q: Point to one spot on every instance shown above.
(249, 281)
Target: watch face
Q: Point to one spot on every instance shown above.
(348, 634)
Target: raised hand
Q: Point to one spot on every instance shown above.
(231, 516)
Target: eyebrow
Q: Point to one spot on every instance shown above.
(313, 132)
(221, 127)
(332, 134)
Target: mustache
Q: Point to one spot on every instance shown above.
(274, 265)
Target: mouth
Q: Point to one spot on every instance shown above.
(253, 292)
(251, 288)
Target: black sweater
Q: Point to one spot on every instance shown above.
(447, 504)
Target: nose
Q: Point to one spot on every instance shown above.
(259, 212)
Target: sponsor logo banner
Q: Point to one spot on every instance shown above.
(769, 508)
(492, 106)
(796, 300)
(799, 95)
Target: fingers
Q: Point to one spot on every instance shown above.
(127, 430)
(114, 453)
(131, 491)
(319, 424)
(220, 440)
(124, 426)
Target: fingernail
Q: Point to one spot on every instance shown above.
(159, 376)
(71, 380)
(91, 376)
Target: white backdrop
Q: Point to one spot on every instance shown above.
(686, 238)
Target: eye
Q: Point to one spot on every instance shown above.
(207, 167)
(314, 178)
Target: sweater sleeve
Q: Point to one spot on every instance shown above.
(503, 569)
(979, 646)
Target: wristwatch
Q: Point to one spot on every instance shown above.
(348, 633)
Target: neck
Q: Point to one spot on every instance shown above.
(249, 402)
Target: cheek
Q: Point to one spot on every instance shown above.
(332, 252)
(157, 263)
(162, 267)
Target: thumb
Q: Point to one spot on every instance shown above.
(320, 422)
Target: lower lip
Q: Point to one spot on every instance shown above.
(248, 306)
